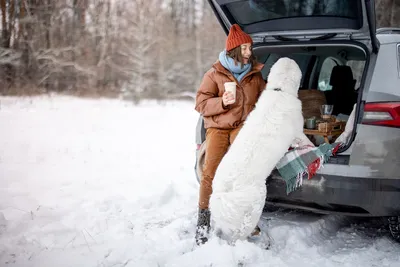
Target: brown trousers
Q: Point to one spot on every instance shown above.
(218, 142)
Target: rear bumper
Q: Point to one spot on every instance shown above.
(338, 194)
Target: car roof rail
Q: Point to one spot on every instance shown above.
(388, 30)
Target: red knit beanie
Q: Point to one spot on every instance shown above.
(236, 37)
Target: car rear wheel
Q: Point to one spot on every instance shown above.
(394, 226)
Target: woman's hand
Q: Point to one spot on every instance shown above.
(228, 98)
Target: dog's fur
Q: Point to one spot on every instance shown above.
(239, 189)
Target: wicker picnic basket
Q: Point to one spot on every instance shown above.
(311, 100)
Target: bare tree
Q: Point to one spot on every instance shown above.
(137, 48)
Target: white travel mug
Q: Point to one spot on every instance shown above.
(231, 87)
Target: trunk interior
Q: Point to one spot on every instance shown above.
(333, 74)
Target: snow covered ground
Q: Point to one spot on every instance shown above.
(105, 183)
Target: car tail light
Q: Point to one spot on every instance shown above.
(383, 114)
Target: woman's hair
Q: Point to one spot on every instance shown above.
(236, 54)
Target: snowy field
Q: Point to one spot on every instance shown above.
(105, 183)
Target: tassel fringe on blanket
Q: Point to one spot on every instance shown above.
(304, 162)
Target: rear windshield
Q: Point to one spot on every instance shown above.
(254, 11)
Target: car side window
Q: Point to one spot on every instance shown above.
(325, 74)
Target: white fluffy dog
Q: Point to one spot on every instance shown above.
(239, 189)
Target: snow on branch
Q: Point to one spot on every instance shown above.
(9, 56)
(62, 63)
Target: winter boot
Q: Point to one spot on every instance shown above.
(203, 226)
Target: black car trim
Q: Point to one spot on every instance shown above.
(339, 159)
(321, 37)
(339, 194)
(303, 23)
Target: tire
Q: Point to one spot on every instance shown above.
(394, 227)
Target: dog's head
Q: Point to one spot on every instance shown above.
(285, 75)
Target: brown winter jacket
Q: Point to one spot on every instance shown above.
(209, 97)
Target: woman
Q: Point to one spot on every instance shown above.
(223, 112)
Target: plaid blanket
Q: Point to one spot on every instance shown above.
(304, 161)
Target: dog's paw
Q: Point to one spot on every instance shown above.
(263, 240)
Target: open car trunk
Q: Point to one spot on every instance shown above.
(274, 20)
(321, 81)
(311, 32)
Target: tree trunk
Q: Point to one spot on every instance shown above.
(11, 16)
(73, 42)
(107, 74)
(383, 13)
(395, 16)
(4, 32)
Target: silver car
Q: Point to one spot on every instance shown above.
(355, 67)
